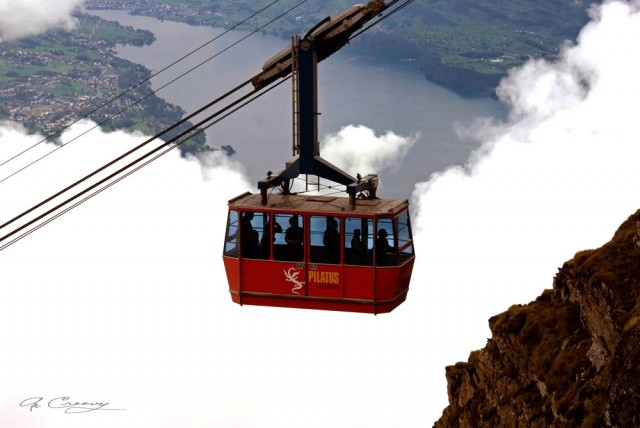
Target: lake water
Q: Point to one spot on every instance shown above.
(393, 96)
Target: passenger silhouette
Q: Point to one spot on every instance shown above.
(331, 241)
(358, 251)
(382, 248)
(293, 237)
(249, 239)
(265, 242)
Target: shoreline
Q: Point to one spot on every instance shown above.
(465, 82)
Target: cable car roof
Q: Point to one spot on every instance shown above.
(319, 204)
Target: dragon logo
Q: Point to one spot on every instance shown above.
(292, 276)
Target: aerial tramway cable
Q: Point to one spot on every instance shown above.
(149, 94)
(180, 139)
(59, 131)
(374, 23)
(124, 155)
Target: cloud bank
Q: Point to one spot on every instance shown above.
(357, 149)
(558, 177)
(124, 299)
(23, 18)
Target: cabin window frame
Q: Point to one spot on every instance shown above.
(319, 237)
(405, 245)
(231, 245)
(367, 237)
(287, 252)
(390, 257)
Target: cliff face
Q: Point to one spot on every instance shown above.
(570, 358)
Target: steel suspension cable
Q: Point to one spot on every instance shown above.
(172, 81)
(144, 143)
(59, 131)
(151, 93)
(180, 139)
(373, 24)
(184, 134)
(148, 95)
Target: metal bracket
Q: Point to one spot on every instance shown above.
(304, 59)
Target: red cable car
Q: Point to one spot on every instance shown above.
(318, 252)
(284, 249)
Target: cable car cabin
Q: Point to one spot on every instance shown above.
(318, 252)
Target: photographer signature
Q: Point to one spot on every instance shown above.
(70, 406)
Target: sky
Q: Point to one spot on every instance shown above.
(124, 299)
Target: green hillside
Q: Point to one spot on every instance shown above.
(467, 45)
(470, 45)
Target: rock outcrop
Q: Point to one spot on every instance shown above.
(569, 358)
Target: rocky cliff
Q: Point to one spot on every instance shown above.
(570, 358)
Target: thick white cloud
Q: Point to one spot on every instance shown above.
(357, 149)
(558, 177)
(22, 18)
(124, 299)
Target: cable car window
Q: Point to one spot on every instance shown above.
(385, 243)
(289, 246)
(251, 228)
(358, 241)
(324, 239)
(405, 244)
(268, 236)
(231, 237)
(406, 253)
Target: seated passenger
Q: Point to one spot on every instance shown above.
(265, 242)
(358, 251)
(331, 241)
(293, 237)
(382, 248)
(249, 237)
